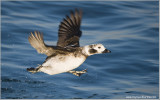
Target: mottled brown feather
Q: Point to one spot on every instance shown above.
(37, 42)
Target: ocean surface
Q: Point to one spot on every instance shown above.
(128, 28)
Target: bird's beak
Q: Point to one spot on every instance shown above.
(106, 51)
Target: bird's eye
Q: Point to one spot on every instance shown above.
(99, 47)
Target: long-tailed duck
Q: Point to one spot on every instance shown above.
(68, 54)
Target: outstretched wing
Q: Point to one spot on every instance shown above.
(69, 30)
(37, 42)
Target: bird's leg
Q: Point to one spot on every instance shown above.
(77, 73)
(34, 70)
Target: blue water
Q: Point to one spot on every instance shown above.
(129, 29)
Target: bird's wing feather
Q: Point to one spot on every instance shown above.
(37, 42)
(69, 30)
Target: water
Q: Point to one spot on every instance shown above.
(129, 29)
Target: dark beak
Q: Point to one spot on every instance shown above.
(106, 51)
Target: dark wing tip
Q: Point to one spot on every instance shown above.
(70, 28)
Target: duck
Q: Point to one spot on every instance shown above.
(67, 54)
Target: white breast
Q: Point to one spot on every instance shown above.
(62, 63)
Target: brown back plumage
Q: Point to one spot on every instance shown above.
(68, 36)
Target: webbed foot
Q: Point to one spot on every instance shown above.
(77, 73)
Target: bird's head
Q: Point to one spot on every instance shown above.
(94, 49)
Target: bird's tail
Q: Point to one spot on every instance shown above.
(34, 70)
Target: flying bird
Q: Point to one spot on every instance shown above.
(67, 54)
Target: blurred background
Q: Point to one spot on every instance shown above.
(128, 28)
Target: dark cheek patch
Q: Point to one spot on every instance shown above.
(92, 51)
